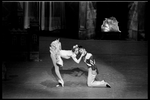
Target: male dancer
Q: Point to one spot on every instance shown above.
(92, 70)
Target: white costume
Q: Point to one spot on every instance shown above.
(56, 54)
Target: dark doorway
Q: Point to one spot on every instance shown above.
(72, 19)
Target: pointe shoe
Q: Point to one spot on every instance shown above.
(61, 83)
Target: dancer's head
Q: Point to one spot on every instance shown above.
(82, 50)
(75, 49)
(79, 49)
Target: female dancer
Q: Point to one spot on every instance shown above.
(56, 54)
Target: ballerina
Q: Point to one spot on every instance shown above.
(56, 54)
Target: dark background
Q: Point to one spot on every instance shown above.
(72, 19)
(10, 20)
(119, 10)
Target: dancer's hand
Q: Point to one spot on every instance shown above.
(83, 51)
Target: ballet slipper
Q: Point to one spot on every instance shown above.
(59, 85)
(61, 82)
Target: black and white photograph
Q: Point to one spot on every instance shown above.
(74, 49)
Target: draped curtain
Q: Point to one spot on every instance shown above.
(133, 16)
(87, 19)
(136, 24)
(91, 19)
(46, 15)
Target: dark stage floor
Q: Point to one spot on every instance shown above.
(123, 64)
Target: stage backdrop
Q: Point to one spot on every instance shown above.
(87, 19)
(136, 23)
(41, 16)
(49, 15)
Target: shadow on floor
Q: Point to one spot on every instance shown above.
(76, 72)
